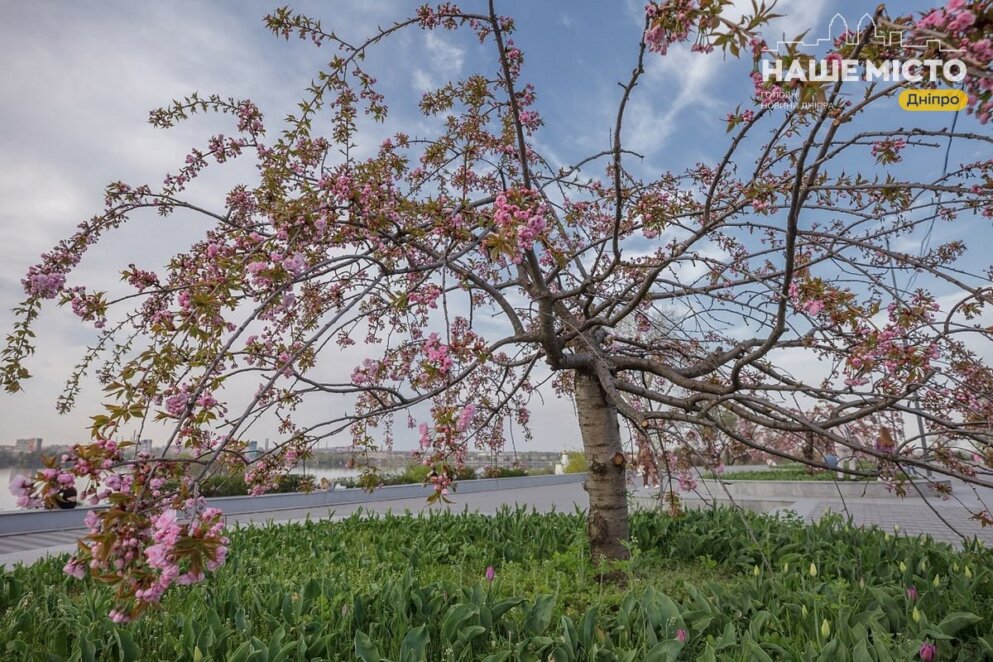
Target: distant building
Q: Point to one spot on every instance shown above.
(252, 450)
(32, 445)
(144, 446)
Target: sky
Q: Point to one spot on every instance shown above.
(80, 78)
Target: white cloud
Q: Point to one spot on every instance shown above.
(446, 58)
(798, 16)
(445, 61)
(422, 81)
(75, 118)
(649, 122)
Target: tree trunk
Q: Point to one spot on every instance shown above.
(607, 522)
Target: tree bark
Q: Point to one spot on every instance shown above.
(607, 521)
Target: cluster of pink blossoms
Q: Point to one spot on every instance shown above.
(162, 555)
(515, 58)
(42, 490)
(888, 150)
(446, 435)
(442, 16)
(176, 404)
(168, 557)
(669, 23)
(426, 295)
(130, 545)
(958, 23)
(687, 482)
(439, 359)
(366, 372)
(249, 118)
(466, 417)
(426, 440)
(261, 477)
(808, 306)
(43, 284)
(23, 489)
(743, 117)
(888, 350)
(441, 482)
(768, 93)
(672, 21)
(956, 17)
(519, 219)
(219, 147)
(296, 264)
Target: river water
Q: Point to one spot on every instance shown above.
(8, 501)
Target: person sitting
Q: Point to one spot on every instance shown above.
(848, 462)
(65, 498)
(646, 462)
(885, 442)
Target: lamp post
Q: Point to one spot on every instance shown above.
(920, 431)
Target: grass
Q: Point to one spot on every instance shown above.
(796, 471)
(404, 588)
(416, 474)
(782, 474)
(235, 485)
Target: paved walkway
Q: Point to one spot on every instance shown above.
(946, 520)
(27, 548)
(912, 515)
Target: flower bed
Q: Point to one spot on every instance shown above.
(404, 588)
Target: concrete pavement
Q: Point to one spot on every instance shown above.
(948, 520)
(29, 547)
(913, 515)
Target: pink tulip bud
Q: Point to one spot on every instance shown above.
(490, 573)
(681, 635)
(928, 651)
